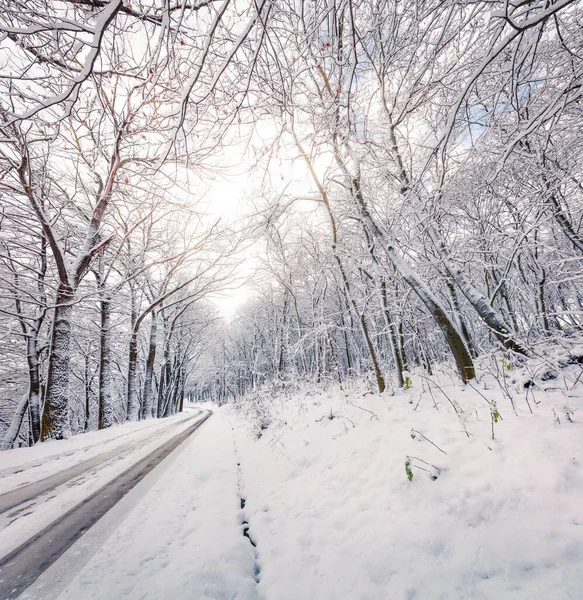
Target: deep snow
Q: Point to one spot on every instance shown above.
(334, 514)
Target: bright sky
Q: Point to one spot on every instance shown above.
(232, 195)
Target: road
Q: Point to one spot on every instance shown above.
(21, 567)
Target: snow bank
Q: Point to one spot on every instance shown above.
(334, 514)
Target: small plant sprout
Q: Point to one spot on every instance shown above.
(408, 469)
(408, 382)
(433, 471)
(506, 365)
(494, 415)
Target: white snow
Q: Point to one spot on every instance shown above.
(335, 516)
(332, 512)
(132, 443)
(22, 465)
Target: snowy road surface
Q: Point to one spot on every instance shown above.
(42, 518)
(178, 534)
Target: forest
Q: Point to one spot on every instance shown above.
(411, 198)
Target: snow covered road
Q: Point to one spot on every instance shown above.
(40, 519)
(178, 534)
(31, 492)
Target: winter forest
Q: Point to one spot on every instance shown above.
(404, 193)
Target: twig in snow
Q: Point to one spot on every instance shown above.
(414, 431)
(343, 417)
(373, 415)
(455, 406)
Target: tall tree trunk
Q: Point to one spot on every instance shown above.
(542, 302)
(151, 359)
(87, 382)
(387, 317)
(161, 391)
(55, 420)
(34, 391)
(404, 360)
(393, 339)
(171, 392)
(281, 360)
(105, 401)
(133, 412)
(164, 369)
(181, 394)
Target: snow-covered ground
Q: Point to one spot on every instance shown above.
(334, 514)
(338, 493)
(20, 466)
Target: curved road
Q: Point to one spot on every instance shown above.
(21, 567)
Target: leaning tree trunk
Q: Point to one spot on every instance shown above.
(463, 360)
(31, 399)
(55, 420)
(12, 431)
(482, 306)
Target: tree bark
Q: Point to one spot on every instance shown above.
(55, 420)
(133, 411)
(34, 391)
(147, 396)
(105, 401)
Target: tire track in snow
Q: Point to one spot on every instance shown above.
(20, 568)
(32, 491)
